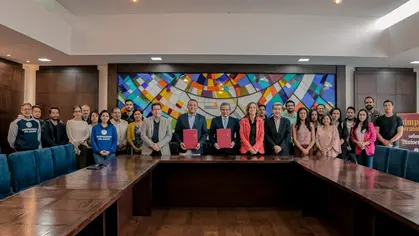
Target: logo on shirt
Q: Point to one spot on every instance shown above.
(29, 124)
(104, 132)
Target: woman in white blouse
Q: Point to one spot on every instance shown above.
(78, 133)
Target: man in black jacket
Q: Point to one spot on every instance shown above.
(225, 121)
(277, 132)
(53, 131)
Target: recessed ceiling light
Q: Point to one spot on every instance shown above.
(44, 59)
(156, 59)
(414, 62)
(337, 1)
(8, 55)
(135, 1)
(304, 59)
(28, 61)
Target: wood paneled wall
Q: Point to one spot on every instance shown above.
(395, 84)
(65, 87)
(114, 69)
(11, 97)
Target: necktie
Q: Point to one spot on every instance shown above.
(225, 123)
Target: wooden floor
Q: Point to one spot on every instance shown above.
(226, 222)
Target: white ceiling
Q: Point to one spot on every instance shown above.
(363, 8)
(23, 48)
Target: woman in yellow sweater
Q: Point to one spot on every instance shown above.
(134, 132)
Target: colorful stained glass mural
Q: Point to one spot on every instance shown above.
(173, 90)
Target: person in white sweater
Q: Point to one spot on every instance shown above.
(78, 133)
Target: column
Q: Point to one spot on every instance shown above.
(350, 87)
(30, 83)
(103, 87)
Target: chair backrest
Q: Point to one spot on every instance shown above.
(381, 158)
(412, 167)
(44, 164)
(5, 187)
(397, 162)
(71, 154)
(62, 164)
(23, 170)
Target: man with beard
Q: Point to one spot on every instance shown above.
(373, 114)
(53, 130)
(85, 113)
(37, 114)
(290, 113)
(25, 131)
(128, 115)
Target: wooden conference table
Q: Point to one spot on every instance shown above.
(353, 199)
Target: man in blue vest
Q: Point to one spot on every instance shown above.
(25, 131)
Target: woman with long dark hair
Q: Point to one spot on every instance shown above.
(304, 134)
(314, 118)
(342, 129)
(364, 136)
(134, 132)
(104, 139)
(327, 138)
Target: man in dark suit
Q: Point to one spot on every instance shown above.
(191, 120)
(277, 132)
(225, 122)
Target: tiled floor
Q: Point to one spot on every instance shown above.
(226, 222)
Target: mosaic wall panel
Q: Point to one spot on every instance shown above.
(173, 90)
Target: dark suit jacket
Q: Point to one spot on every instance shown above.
(200, 124)
(47, 134)
(343, 132)
(234, 125)
(281, 138)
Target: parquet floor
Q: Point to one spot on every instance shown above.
(226, 222)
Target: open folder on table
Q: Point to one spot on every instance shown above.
(190, 138)
(224, 138)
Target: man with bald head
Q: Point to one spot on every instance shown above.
(85, 113)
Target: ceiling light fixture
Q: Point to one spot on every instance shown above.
(414, 62)
(28, 61)
(8, 55)
(337, 1)
(304, 59)
(135, 1)
(404, 11)
(156, 59)
(44, 59)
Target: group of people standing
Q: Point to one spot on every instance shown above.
(302, 133)
(104, 134)
(286, 132)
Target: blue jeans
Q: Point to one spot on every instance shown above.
(99, 159)
(364, 159)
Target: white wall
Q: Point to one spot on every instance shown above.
(233, 34)
(39, 22)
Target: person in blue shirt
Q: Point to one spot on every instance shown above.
(104, 139)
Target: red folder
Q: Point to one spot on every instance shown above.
(190, 138)
(224, 138)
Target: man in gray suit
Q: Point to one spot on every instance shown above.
(156, 133)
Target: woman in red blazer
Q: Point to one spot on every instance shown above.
(252, 132)
(364, 136)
